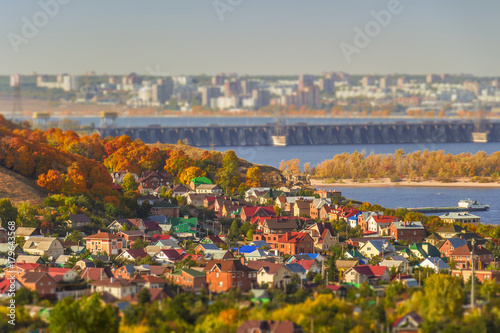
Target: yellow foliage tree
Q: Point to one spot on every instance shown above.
(191, 173)
(254, 177)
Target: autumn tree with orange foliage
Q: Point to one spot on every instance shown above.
(52, 181)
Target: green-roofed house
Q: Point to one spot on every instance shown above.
(424, 250)
(184, 224)
(354, 254)
(196, 181)
(190, 279)
(165, 207)
(270, 196)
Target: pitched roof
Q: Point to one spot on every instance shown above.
(467, 249)
(152, 226)
(251, 211)
(450, 229)
(227, 266)
(276, 223)
(172, 254)
(24, 231)
(135, 253)
(383, 218)
(293, 237)
(307, 264)
(456, 242)
(247, 249)
(40, 243)
(94, 273)
(33, 277)
(28, 259)
(103, 235)
(370, 270)
(346, 263)
(201, 180)
(295, 268)
(113, 283)
(156, 238)
(79, 218)
(269, 267)
(189, 271)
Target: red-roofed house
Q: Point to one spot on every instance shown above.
(309, 265)
(20, 268)
(119, 288)
(295, 243)
(248, 212)
(409, 323)
(378, 222)
(462, 256)
(156, 238)
(63, 274)
(8, 287)
(367, 273)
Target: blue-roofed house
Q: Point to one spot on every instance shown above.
(315, 256)
(122, 306)
(436, 263)
(353, 220)
(245, 249)
(297, 269)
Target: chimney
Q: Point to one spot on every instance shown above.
(98, 231)
(242, 259)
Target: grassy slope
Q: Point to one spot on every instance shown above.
(19, 188)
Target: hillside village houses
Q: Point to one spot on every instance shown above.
(291, 240)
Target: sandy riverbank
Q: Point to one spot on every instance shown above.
(385, 182)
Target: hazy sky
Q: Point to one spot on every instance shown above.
(253, 37)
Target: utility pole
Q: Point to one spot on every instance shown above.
(472, 292)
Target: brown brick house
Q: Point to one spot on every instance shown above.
(413, 232)
(462, 256)
(223, 275)
(295, 243)
(41, 282)
(190, 279)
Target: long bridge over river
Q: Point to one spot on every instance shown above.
(307, 134)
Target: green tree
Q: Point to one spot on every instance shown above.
(443, 297)
(228, 176)
(143, 297)
(129, 183)
(75, 236)
(86, 315)
(234, 232)
(7, 211)
(139, 244)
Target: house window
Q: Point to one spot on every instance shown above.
(41, 284)
(216, 274)
(220, 284)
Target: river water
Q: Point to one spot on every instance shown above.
(391, 197)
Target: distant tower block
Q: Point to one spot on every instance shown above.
(108, 119)
(40, 119)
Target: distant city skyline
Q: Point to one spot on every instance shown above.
(249, 37)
